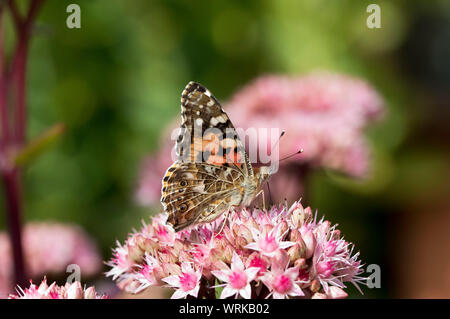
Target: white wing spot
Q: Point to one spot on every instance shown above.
(199, 121)
(222, 119)
(214, 121)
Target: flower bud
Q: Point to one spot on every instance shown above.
(307, 213)
(89, 293)
(235, 230)
(294, 252)
(227, 254)
(294, 235)
(336, 293)
(319, 295)
(43, 286)
(135, 253)
(75, 291)
(297, 215)
(146, 244)
(310, 243)
(241, 242)
(283, 227)
(246, 233)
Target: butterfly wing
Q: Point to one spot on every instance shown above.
(201, 184)
(207, 134)
(198, 192)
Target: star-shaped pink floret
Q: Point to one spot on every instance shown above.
(268, 243)
(282, 283)
(236, 279)
(187, 283)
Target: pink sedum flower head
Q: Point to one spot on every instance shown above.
(284, 252)
(323, 113)
(68, 291)
(49, 248)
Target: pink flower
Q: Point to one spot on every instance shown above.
(68, 291)
(50, 247)
(237, 278)
(282, 279)
(283, 283)
(279, 253)
(187, 283)
(268, 244)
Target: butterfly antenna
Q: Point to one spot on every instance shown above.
(289, 156)
(276, 143)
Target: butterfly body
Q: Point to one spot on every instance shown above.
(212, 173)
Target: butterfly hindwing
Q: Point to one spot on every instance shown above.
(198, 192)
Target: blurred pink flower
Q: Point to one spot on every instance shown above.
(68, 291)
(197, 261)
(49, 248)
(323, 113)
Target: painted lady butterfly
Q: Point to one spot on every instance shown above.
(212, 173)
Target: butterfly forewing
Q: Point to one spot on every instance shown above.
(207, 134)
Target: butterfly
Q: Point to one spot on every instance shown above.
(212, 173)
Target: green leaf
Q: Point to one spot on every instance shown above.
(38, 145)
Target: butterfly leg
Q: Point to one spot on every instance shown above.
(263, 198)
(225, 218)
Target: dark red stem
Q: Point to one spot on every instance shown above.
(13, 207)
(13, 100)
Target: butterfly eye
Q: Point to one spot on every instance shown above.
(183, 183)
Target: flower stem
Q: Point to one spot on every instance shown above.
(13, 207)
(13, 104)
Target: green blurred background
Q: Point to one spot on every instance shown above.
(116, 83)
